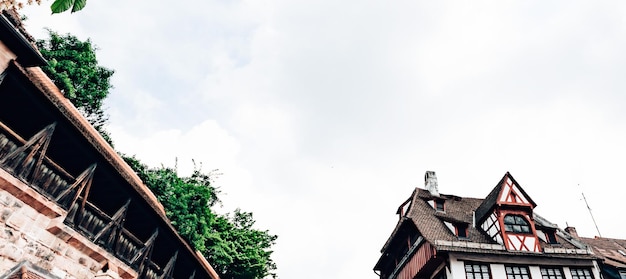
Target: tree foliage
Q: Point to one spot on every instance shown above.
(58, 6)
(229, 242)
(74, 68)
(240, 251)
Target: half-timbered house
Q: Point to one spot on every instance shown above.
(500, 236)
(70, 207)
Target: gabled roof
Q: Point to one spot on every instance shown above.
(492, 199)
(430, 223)
(457, 210)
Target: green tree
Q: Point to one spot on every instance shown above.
(229, 242)
(74, 68)
(59, 6)
(240, 251)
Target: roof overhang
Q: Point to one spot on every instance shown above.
(27, 54)
(31, 101)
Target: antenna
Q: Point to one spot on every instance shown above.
(594, 220)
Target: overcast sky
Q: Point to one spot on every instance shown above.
(323, 116)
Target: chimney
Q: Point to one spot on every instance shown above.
(430, 182)
(572, 231)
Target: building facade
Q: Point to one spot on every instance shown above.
(70, 207)
(440, 236)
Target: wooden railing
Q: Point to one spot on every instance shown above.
(53, 182)
(94, 224)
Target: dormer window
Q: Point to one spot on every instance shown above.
(439, 205)
(516, 224)
(461, 231)
(403, 210)
(551, 237)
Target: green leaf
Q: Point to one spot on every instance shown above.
(79, 5)
(60, 6)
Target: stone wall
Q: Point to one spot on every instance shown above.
(26, 235)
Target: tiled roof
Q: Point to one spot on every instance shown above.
(489, 202)
(15, 37)
(609, 249)
(457, 210)
(430, 224)
(14, 17)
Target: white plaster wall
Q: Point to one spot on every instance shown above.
(596, 271)
(535, 272)
(498, 272)
(568, 274)
(457, 269)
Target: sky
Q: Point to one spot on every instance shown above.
(321, 117)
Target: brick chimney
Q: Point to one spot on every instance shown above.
(430, 182)
(572, 231)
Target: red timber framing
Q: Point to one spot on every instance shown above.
(519, 241)
(511, 194)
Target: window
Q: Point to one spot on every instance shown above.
(581, 273)
(461, 230)
(516, 224)
(477, 271)
(551, 237)
(517, 272)
(551, 273)
(439, 205)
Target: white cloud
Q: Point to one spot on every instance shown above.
(206, 143)
(324, 115)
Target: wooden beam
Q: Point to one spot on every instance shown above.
(83, 181)
(9, 132)
(115, 227)
(168, 270)
(20, 160)
(142, 259)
